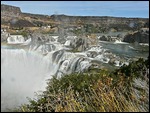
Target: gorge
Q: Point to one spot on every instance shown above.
(30, 57)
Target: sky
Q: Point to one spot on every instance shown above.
(85, 8)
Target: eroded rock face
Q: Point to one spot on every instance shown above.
(79, 44)
(10, 10)
(141, 36)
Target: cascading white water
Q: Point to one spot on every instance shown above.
(23, 73)
(120, 42)
(26, 71)
(67, 43)
(16, 39)
(68, 62)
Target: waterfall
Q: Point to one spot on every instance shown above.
(15, 39)
(23, 73)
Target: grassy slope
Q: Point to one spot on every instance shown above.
(96, 90)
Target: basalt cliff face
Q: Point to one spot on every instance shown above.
(141, 36)
(11, 11)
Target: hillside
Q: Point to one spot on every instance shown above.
(13, 19)
(9, 12)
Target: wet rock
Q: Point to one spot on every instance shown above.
(95, 65)
(92, 54)
(112, 61)
(104, 38)
(79, 44)
(4, 37)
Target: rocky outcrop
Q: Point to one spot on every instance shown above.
(104, 38)
(99, 19)
(4, 37)
(7, 10)
(141, 36)
(79, 44)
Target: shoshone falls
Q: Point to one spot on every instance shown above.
(27, 64)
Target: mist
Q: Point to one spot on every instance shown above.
(23, 75)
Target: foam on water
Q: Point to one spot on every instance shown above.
(120, 42)
(67, 43)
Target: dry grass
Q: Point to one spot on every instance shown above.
(95, 91)
(100, 97)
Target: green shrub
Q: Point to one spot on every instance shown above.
(94, 90)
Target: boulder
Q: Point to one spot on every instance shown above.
(112, 61)
(92, 54)
(103, 38)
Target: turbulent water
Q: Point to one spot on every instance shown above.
(26, 67)
(23, 73)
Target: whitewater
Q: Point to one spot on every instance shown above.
(25, 71)
(27, 65)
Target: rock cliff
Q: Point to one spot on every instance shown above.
(141, 36)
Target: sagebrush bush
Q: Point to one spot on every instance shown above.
(96, 90)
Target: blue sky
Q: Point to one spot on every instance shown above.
(85, 8)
